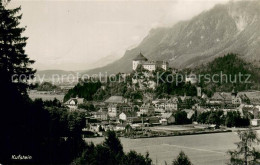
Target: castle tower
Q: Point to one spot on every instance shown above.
(138, 60)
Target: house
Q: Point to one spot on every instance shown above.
(202, 109)
(134, 120)
(113, 110)
(125, 108)
(103, 108)
(152, 120)
(236, 100)
(120, 127)
(192, 78)
(217, 98)
(204, 96)
(226, 98)
(101, 115)
(171, 105)
(123, 116)
(159, 106)
(221, 98)
(255, 122)
(126, 115)
(189, 112)
(164, 105)
(74, 102)
(146, 109)
(94, 127)
(116, 100)
(163, 121)
(167, 118)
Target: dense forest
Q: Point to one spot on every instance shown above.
(46, 86)
(231, 72)
(83, 90)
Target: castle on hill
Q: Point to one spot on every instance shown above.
(149, 65)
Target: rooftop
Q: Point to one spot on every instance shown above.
(166, 115)
(76, 100)
(140, 57)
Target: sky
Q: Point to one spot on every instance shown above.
(83, 34)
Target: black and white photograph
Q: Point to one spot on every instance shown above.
(130, 82)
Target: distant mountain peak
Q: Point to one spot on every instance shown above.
(232, 27)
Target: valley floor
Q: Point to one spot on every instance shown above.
(201, 149)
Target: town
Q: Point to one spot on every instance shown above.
(142, 113)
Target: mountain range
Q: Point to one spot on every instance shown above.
(232, 27)
(48, 75)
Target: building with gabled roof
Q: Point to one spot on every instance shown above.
(189, 113)
(73, 103)
(226, 97)
(113, 110)
(126, 115)
(146, 109)
(101, 115)
(167, 118)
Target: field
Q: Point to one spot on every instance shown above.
(202, 149)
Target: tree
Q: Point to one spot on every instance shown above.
(113, 143)
(47, 86)
(215, 117)
(50, 135)
(14, 62)
(85, 90)
(234, 119)
(110, 152)
(15, 72)
(181, 118)
(133, 158)
(182, 159)
(245, 154)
